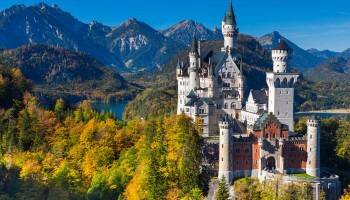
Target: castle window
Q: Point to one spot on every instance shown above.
(223, 75)
(228, 75)
(280, 92)
(301, 160)
(237, 150)
(256, 150)
(292, 149)
(310, 162)
(246, 162)
(237, 162)
(292, 160)
(222, 158)
(226, 106)
(222, 146)
(287, 92)
(267, 135)
(180, 101)
(310, 149)
(187, 110)
(273, 136)
(201, 110)
(256, 161)
(301, 148)
(310, 136)
(246, 150)
(202, 121)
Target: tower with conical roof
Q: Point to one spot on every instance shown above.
(225, 151)
(193, 65)
(229, 29)
(281, 85)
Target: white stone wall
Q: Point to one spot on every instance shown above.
(281, 97)
(225, 152)
(280, 61)
(313, 148)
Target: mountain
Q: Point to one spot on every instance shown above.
(346, 53)
(335, 69)
(303, 60)
(183, 32)
(57, 72)
(323, 54)
(133, 44)
(140, 46)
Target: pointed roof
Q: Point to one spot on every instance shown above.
(194, 46)
(282, 45)
(224, 19)
(192, 94)
(178, 66)
(231, 18)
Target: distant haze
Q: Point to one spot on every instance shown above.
(310, 24)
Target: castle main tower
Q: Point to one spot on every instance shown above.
(229, 29)
(313, 147)
(281, 85)
(193, 68)
(225, 149)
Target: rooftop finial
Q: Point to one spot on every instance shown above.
(231, 18)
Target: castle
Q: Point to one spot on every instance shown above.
(256, 133)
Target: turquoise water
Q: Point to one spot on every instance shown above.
(117, 108)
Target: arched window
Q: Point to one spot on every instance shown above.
(226, 106)
(233, 106)
(223, 74)
(284, 84)
(228, 75)
(278, 82)
(291, 82)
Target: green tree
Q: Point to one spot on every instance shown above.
(223, 192)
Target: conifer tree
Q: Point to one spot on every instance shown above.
(222, 193)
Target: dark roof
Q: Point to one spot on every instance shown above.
(216, 57)
(194, 47)
(178, 66)
(192, 94)
(208, 101)
(313, 117)
(231, 19)
(224, 19)
(282, 45)
(260, 96)
(238, 126)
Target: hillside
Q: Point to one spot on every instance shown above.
(57, 72)
(13, 85)
(335, 69)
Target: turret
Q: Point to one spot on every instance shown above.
(313, 146)
(229, 29)
(225, 151)
(192, 70)
(178, 68)
(281, 55)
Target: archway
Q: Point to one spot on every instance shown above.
(271, 163)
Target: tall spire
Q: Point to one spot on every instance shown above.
(231, 18)
(194, 47)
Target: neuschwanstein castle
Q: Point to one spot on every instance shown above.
(256, 130)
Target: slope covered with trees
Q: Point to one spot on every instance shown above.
(80, 154)
(57, 72)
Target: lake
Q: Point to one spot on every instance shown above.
(116, 108)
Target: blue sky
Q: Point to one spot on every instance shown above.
(317, 24)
